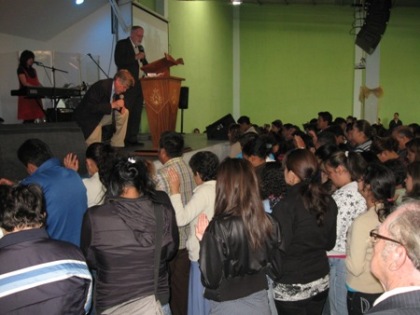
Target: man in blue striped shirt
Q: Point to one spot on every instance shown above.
(38, 275)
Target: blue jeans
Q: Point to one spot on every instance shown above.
(256, 303)
(197, 303)
(166, 309)
(271, 297)
(337, 297)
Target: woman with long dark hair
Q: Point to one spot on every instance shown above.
(119, 241)
(307, 218)
(29, 109)
(377, 186)
(239, 245)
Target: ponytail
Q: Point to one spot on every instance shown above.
(304, 164)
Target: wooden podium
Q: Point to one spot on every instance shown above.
(161, 96)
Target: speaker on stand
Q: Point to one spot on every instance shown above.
(183, 104)
(377, 16)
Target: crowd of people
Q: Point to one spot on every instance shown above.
(367, 169)
(323, 219)
(319, 220)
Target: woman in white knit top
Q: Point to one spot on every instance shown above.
(343, 169)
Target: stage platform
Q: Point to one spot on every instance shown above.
(66, 137)
(193, 143)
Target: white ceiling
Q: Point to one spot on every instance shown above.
(42, 19)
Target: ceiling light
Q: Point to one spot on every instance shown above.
(236, 2)
(79, 2)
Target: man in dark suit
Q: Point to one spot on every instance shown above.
(104, 104)
(129, 54)
(396, 261)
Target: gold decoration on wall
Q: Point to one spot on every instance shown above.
(365, 92)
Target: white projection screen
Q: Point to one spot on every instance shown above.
(156, 35)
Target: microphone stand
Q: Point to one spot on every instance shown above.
(53, 96)
(97, 64)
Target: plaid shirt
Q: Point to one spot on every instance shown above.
(186, 188)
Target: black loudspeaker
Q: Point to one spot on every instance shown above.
(219, 129)
(374, 26)
(183, 97)
(59, 114)
(62, 138)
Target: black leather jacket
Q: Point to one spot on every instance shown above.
(230, 268)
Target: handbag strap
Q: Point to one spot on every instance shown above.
(158, 243)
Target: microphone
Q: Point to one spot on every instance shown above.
(144, 60)
(121, 97)
(118, 96)
(38, 63)
(90, 55)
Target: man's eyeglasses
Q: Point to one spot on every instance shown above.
(375, 236)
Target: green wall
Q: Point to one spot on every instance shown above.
(201, 33)
(400, 66)
(295, 60)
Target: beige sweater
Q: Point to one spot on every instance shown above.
(359, 254)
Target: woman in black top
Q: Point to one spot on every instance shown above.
(118, 238)
(239, 245)
(307, 218)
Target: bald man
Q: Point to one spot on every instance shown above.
(396, 261)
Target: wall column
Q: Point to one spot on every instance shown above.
(236, 106)
(372, 82)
